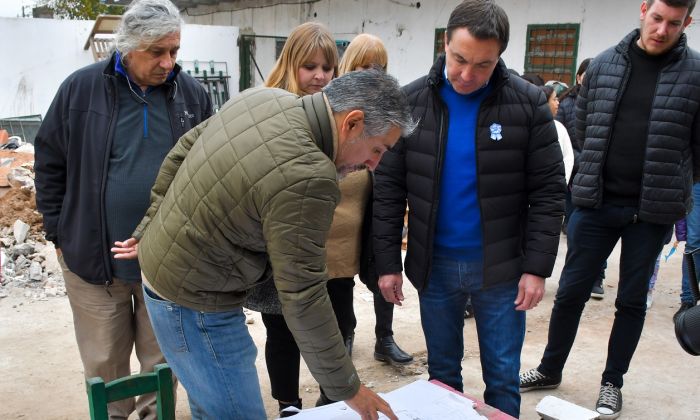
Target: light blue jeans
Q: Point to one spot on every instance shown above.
(500, 329)
(213, 356)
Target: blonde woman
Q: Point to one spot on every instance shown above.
(308, 62)
(364, 52)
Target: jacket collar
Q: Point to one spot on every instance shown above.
(114, 67)
(320, 122)
(676, 52)
(436, 75)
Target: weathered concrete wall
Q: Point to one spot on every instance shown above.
(38, 54)
(409, 30)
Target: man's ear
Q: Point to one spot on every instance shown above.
(353, 125)
(687, 21)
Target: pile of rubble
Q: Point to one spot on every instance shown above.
(27, 263)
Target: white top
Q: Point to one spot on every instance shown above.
(566, 150)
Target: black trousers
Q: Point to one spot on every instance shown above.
(281, 352)
(592, 235)
(384, 313)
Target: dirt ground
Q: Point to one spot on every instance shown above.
(41, 376)
(16, 203)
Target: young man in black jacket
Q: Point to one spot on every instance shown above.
(484, 179)
(637, 119)
(98, 151)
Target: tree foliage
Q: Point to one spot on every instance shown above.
(82, 9)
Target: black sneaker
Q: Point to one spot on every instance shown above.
(609, 403)
(598, 292)
(533, 379)
(684, 307)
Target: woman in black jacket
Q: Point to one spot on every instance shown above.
(567, 111)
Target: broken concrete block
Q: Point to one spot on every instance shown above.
(21, 178)
(20, 230)
(21, 262)
(553, 408)
(23, 249)
(35, 271)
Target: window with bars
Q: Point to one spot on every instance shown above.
(551, 51)
(439, 42)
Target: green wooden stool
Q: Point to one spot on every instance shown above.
(160, 382)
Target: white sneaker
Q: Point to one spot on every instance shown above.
(650, 298)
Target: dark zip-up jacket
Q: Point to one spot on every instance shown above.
(72, 151)
(521, 184)
(566, 114)
(672, 145)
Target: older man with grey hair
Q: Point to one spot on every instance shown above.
(98, 151)
(247, 196)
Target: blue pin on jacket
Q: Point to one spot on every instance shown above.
(495, 129)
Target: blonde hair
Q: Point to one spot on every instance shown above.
(303, 43)
(364, 51)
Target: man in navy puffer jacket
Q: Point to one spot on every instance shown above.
(637, 120)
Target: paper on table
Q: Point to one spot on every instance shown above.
(419, 400)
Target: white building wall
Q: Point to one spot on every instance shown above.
(409, 32)
(41, 53)
(38, 54)
(603, 23)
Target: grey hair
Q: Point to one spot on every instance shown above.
(145, 22)
(375, 93)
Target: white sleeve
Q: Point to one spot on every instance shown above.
(566, 150)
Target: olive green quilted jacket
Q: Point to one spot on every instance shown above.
(246, 195)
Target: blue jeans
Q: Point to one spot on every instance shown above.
(500, 329)
(692, 243)
(592, 235)
(213, 356)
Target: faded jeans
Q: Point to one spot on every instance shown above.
(213, 356)
(500, 329)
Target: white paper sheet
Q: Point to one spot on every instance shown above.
(419, 400)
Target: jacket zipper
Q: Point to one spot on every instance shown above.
(436, 183)
(476, 161)
(173, 122)
(618, 98)
(103, 184)
(646, 146)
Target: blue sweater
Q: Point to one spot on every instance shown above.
(458, 228)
